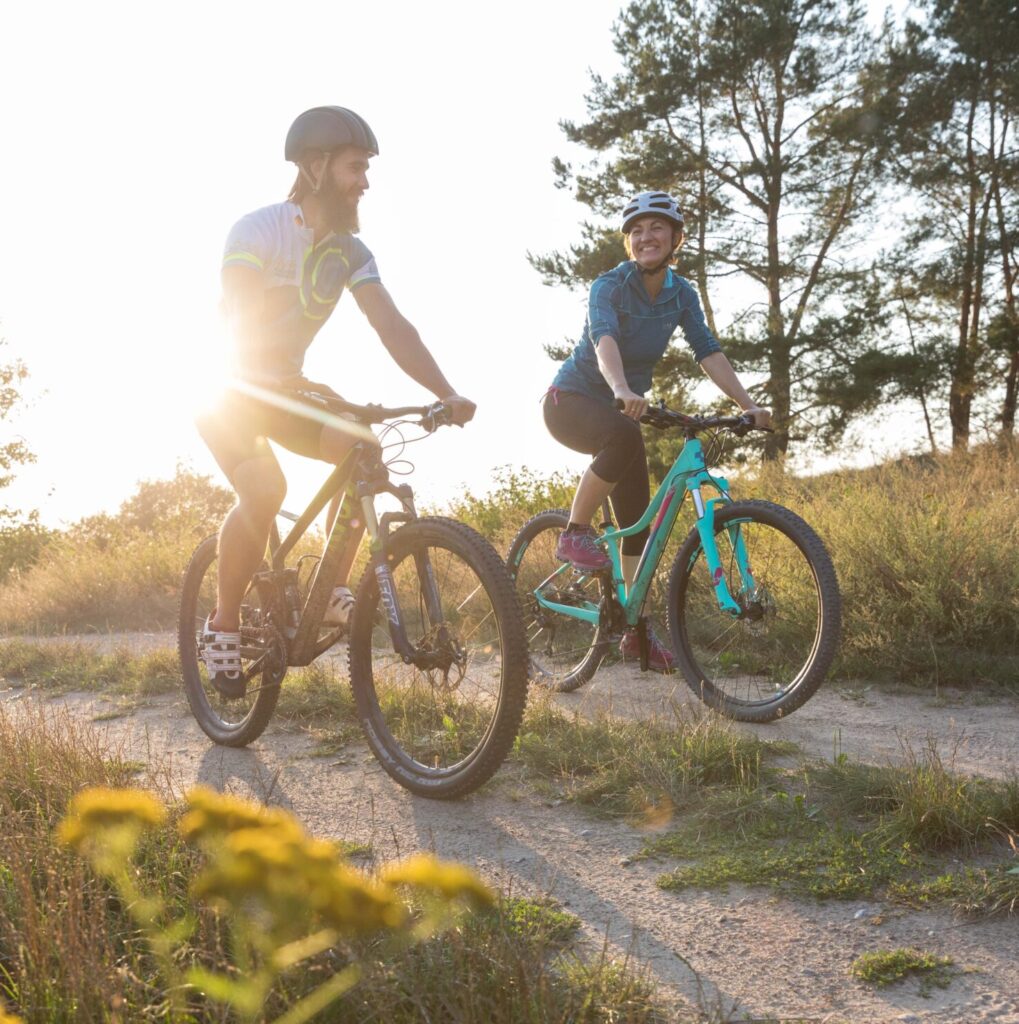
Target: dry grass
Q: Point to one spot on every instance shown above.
(928, 561)
(927, 553)
(69, 951)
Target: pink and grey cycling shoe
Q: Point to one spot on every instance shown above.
(659, 657)
(581, 549)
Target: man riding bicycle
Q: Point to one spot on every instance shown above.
(284, 269)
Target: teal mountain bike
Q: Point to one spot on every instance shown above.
(753, 604)
(436, 645)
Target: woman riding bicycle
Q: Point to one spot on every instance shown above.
(633, 311)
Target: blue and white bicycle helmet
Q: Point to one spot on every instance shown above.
(659, 204)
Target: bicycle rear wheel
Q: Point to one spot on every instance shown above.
(234, 723)
(769, 660)
(564, 653)
(444, 731)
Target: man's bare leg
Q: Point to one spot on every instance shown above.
(243, 537)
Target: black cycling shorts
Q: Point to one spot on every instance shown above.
(240, 426)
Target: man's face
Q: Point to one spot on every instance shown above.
(345, 183)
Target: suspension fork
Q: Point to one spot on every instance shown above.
(706, 529)
(378, 532)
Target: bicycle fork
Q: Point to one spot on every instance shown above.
(706, 529)
(378, 532)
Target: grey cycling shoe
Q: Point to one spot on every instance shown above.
(221, 652)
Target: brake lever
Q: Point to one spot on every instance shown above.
(438, 415)
(748, 425)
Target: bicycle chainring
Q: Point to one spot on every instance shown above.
(269, 638)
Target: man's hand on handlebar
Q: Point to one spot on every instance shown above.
(629, 403)
(462, 409)
(761, 417)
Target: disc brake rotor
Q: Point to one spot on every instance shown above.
(452, 656)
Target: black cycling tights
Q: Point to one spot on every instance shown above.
(594, 428)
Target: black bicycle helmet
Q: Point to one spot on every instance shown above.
(328, 128)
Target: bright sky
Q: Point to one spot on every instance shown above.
(133, 136)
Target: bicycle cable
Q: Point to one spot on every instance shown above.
(406, 467)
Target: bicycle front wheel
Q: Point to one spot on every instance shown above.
(771, 658)
(563, 652)
(440, 731)
(235, 722)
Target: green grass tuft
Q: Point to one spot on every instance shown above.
(647, 771)
(539, 917)
(66, 667)
(888, 967)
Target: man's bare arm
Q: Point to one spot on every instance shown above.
(402, 341)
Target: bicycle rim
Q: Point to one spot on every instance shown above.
(563, 652)
(770, 659)
(441, 731)
(234, 722)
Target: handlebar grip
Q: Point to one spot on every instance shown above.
(438, 415)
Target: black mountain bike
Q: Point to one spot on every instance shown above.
(437, 654)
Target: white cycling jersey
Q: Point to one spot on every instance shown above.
(303, 282)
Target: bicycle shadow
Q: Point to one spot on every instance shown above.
(520, 862)
(243, 771)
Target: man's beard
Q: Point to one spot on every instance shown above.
(339, 208)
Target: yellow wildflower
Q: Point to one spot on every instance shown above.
(9, 1018)
(212, 813)
(98, 811)
(446, 879)
(353, 903)
(251, 862)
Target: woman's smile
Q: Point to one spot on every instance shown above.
(651, 240)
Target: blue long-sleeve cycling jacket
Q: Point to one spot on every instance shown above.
(619, 306)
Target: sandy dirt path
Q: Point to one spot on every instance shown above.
(743, 954)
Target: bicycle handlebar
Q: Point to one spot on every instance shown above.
(663, 418)
(432, 416)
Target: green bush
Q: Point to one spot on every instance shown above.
(21, 543)
(517, 495)
(118, 571)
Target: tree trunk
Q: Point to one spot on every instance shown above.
(1008, 405)
(960, 395)
(778, 386)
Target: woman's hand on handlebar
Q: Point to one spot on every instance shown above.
(629, 403)
(462, 409)
(761, 417)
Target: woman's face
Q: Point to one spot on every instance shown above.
(651, 239)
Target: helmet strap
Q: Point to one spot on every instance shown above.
(316, 185)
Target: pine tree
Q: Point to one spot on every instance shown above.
(763, 117)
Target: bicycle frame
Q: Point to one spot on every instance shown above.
(689, 473)
(357, 479)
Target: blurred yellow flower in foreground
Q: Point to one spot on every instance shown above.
(442, 878)
(286, 895)
(212, 814)
(96, 812)
(275, 868)
(9, 1018)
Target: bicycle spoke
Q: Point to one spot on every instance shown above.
(761, 654)
(238, 719)
(439, 717)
